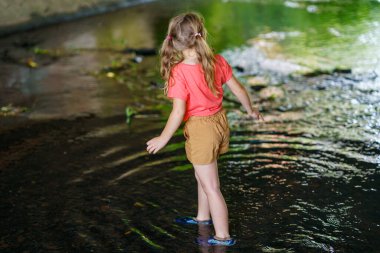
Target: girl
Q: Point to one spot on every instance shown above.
(193, 79)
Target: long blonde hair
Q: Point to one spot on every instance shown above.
(187, 31)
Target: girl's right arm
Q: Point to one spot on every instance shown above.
(241, 93)
(174, 121)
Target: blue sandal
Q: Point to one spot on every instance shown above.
(192, 220)
(227, 242)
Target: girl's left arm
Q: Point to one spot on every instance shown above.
(174, 121)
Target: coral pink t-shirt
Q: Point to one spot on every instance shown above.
(188, 83)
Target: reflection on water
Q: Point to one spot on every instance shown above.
(305, 180)
(67, 87)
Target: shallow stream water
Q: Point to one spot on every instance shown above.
(76, 178)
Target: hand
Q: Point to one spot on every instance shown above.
(256, 115)
(155, 144)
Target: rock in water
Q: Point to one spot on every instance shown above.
(257, 82)
(271, 93)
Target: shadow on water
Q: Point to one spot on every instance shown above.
(76, 178)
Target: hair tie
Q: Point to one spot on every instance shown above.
(198, 34)
(169, 37)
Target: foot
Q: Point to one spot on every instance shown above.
(192, 220)
(228, 241)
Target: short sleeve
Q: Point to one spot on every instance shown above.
(177, 86)
(226, 69)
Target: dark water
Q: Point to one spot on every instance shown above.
(305, 180)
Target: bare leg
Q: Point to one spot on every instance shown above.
(203, 207)
(208, 176)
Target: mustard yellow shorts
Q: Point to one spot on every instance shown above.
(207, 137)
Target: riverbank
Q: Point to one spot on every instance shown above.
(17, 16)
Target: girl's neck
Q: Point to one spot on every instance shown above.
(190, 56)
